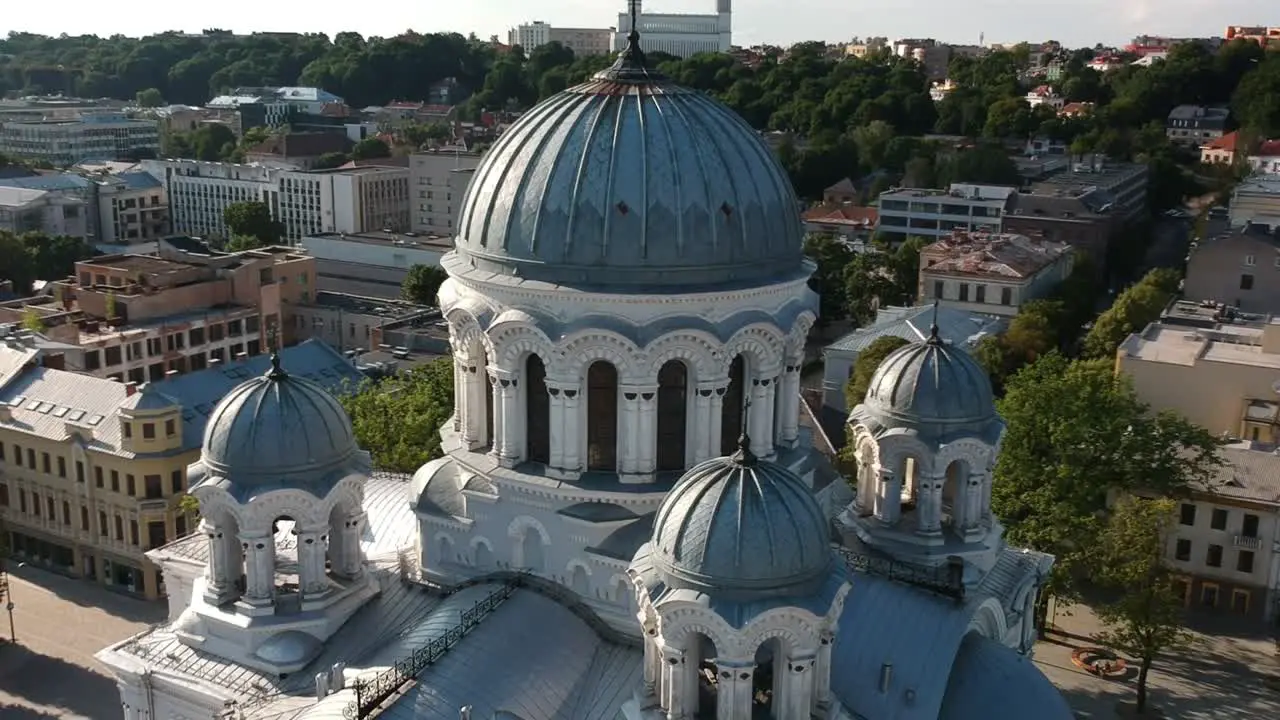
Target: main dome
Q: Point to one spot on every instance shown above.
(631, 180)
(275, 427)
(739, 524)
(931, 384)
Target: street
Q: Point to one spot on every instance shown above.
(60, 623)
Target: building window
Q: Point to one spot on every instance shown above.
(964, 292)
(1246, 282)
(52, 507)
(1188, 514)
(1219, 519)
(980, 294)
(1244, 561)
(4, 495)
(79, 471)
(175, 481)
(148, 431)
(155, 489)
(22, 500)
(66, 513)
(17, 455)
(45, 463)
(62, 467)
(128, 430)
(170, 428)
(1249, 528)
(97, 476)
(35, 504)
(1209, 595)
(84, 518)
(115, 481)
(1183, 550)
(1214, 557)
(133, 487)
(102, 523)
(133, 532)
(938, 287)
(1240, 601)
(119, 528)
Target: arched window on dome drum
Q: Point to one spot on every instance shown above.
(731, 425)
(602, 417)
(673, 405)
(537, 410)
(488, 407)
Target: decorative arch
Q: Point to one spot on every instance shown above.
(697, 349)
(216, 502)
(303, 507)
(793, 631)
(348, 495)
(762, 344)
(575, 564)
(895, 447)
(465, 330)
(989, 620)
(676, 627)
(583, 348)
(799, 335)
(622, 589)
(516, 530)
(481, 553)
(444, 547)
(974, 453)
(513, 341)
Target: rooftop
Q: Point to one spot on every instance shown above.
(148, 264)
(1000, 255)
(18, 197)
(1104, 174)
(376, 307)
(956, 327)
(1190, 333)
(842, 214)
(1249, 472)
(378, 237)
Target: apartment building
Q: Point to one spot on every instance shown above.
(306, 203)
(1256, 201)
(143, 318)
(930, 214)
(132, 208)
(1264, 36)
(1119, 186)
(678, 34)
(437, 180)
(92, 471)
(93, 136)
(353, 322)
(582, 41)
(1239, 267)
(372, 264)
(1225, 547)
(931, 54)
(1083, 218)
(69, 186)
(297, 150)
(991, 273)
(1196, 125)
(23, 211)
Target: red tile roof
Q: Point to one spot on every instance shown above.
(843, 215)
(1226, 142)
(1269, 148)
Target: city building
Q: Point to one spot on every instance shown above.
(579, 511)
(23, 210)
(1220, 151)
(374, 264)
(437, 181)
(90, 137)
(842, 192)
(933, 55)
(1079, 217)
(851, 223)
(1225, 547)
(1266, 159)
(1239, 267)
(69, 189)
(1045, 95)
(1256, 201)
(297, 150)
(582, 41)
(1119, 187)
(273, 107)
(1196, 125)
(352, 322)
(679, 34)
(991, 273)
(1264, 36)
(912, 212)
(132, 208)
(957, 328)
(341, 200)
(92, 471)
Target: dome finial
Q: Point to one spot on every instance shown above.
(630, 65)
(744, 456)
(933, 327)
(276, 372)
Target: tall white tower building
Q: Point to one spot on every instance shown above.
(677, 34)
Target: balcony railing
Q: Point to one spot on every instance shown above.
(1245, 541)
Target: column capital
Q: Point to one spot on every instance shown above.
(254, 535)
(498, 373)
(706, 388)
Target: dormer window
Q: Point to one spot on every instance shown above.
(148, 431)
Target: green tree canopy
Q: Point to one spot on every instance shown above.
(855, 388)
(1144, 616)
(36, 256)
(370, 148)
(832, 256)
(422, 284)
(1132, 310)
(149, 98)
(1077, 432)
(253, 219)
(398, 419)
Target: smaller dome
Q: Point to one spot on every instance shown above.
(930, 383)
(738, 523)
(275, 427)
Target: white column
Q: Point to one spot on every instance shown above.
(789, 414)
(673, 681)
(573, 434)
(647, 431)
(760, 419)
(497, 407)
(311, 575)
(652, 657)
(929, 505)
(508, 396)
(459, 393)
(822, 672)
(702, 422)
(215, 573)
(716, 410)
(351, 562)
(888, 497)
(474, 408)
(733, 689)
(769, 422)
(260, 566)
(556, 419)
(800, 690)
(972, 518)
(630, 431)
(986, 496)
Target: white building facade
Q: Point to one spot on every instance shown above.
(92, 137)
(582, 41)
(437, 181)
(677, 34)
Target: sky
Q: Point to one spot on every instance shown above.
(780, 22)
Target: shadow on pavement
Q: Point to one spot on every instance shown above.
(52, 682)
(17, 712)
(86, 593)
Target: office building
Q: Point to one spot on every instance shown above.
(91, 137)
(582, 41)
(678, 34)
(437, 181)
(23, 211)
(374, 263)
(913, 212)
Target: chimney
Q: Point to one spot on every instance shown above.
(322, 685)
(130, 388)
(338, 676)
(886, 676)
(6, 412)
(464, 713)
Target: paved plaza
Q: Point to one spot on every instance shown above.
(60, 623)
(1224, 676)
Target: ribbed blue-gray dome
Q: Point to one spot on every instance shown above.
(277, 426)
(740, 524)
(630, 180)
(931, 383)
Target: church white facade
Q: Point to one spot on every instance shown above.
(628, 521)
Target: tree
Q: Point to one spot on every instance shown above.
(240, 243)
(422, 284)
(832, 256)
(855, 388)
(330, 160)
(1145, 617)
(398, 419)
(149, 98)
(109, 305)
(32, 321)
(1076, 433)
(253, 219)
(370, 148)
(1133, 309)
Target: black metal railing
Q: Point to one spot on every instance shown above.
(946, 580)
(372, 692)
